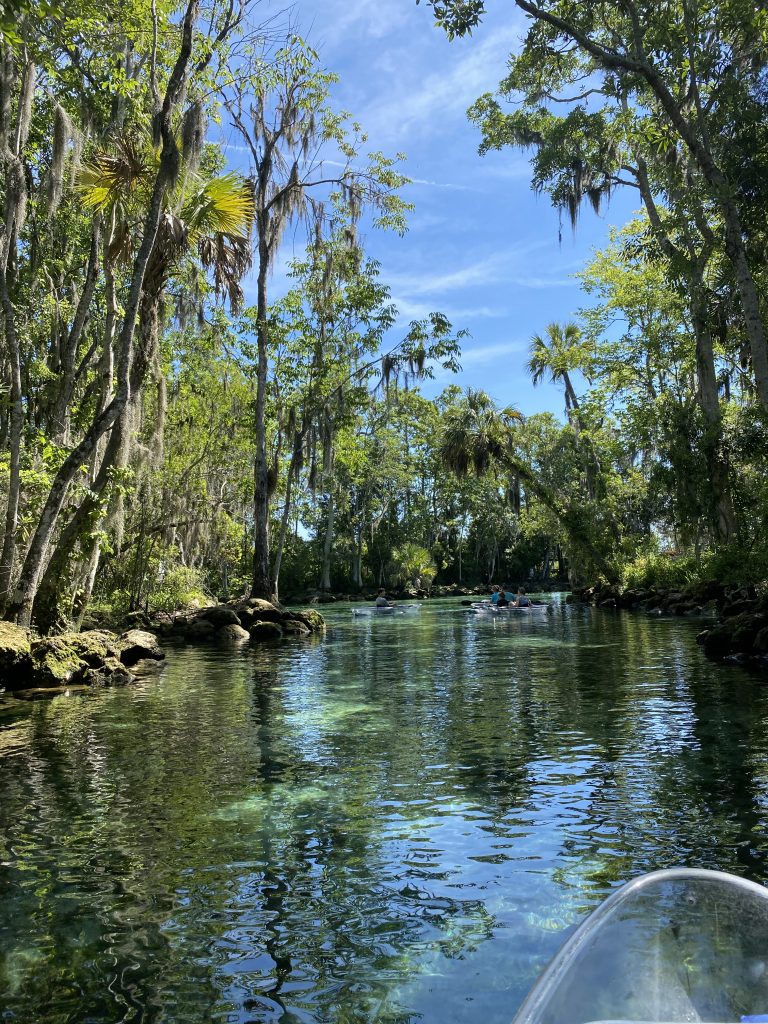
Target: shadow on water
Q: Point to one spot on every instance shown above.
(397, 823)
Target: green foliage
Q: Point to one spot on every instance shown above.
(413, 564)
(177, 586)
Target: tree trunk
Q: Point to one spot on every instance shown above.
(20, 608)
(15, 203)
(262, 584)
(325, 579)
(285, 519)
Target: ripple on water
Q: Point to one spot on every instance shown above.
(399, 823)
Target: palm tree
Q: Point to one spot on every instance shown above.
(479, 438)
(557, 355)
(208, 216)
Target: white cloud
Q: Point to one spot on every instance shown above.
(479, 354)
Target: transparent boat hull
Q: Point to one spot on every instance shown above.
(681, 945)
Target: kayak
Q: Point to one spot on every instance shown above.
(678, 945)
(486, 608)
(398, 609)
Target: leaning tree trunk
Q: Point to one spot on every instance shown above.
(13, 144)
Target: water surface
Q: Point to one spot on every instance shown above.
(397, 823)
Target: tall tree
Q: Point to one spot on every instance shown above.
(280, 111)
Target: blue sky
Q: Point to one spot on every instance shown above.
(481, 247)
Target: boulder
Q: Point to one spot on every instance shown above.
(68, 657)
(200, 629)
(232, 633)
(311, 618)
(261, 631)
(219, 615)
(111, 673)
(247, 616)
(56, 661)
(137, 644)
(15, 656)
(744, 629)
(264, 611)
(137, 619)
(717, 642)
(295, 627)
(260, 604)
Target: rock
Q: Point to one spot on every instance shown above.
(68, 657)
(260, 604)
(247, 616)
(232, 633)
(261, 631)
(312, 619)
(137, 644)
(264, 611)
(733, 608)
(136, 619)
(716, 641)
(15, 656)
(219, 616)
(295, 627)
(760, 645)
(744, 629)
(200, 629)
(111, 673)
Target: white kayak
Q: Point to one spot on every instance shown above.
(486, 608)
(681, 945)
(392, 609)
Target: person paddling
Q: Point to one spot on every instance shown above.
(522, 600)
(381, 599)
(502, 600)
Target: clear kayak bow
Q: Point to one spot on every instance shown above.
(681, 945)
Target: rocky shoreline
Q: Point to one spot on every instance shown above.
(33, 666)
(412, 594)
(738, 634)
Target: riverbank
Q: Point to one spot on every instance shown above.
(32, 666)
(420, 594)
(738, 634)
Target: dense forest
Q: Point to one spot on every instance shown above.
(170, 428)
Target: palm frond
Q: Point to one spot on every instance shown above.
(223, 205)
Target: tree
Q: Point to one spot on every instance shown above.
(479, 438)
(280, 111)
(696, 78)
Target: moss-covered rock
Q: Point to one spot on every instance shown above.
(259, 610)
(65, 658)
(232, 633)
(15, 656)
(111, 673)
(261, 631)
(219, 615)
(295, 627)
(311, 618)
(137, 644)
(200, 629)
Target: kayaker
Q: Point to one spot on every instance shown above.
(381, 599)
(495, 593)
(501, 600)
(522, 600)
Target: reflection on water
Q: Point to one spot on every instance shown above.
(396, 824)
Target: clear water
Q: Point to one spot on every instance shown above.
(398, 823)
